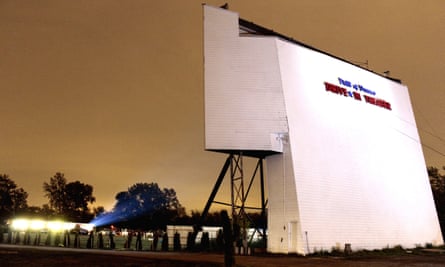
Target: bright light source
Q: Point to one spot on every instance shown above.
(55, 226)
(20, 224)
(37, 224)
(68, 225)
(87, 226)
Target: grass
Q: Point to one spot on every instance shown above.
(384, 252)
(56, 239)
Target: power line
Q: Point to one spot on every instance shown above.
(433, 149)
(433, 131)
(422, 144)
(433, 135)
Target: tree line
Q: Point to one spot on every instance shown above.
(144, 206)
(66, 200)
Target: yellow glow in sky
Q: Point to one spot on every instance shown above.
(110, 93)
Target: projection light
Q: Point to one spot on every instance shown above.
(87, 226)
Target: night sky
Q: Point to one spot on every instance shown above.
(111, 92)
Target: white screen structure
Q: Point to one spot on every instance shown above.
(345, 164)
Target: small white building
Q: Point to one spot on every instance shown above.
(344, 158)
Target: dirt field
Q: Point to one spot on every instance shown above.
(11, 255)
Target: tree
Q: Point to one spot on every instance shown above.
(98, 210)
(78, 196)
(55, 192)
(69, 199)
(12, 199)
(437, 181)
(145, 205)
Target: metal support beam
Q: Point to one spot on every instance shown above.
(263, 201)
(240, 218)
(221, 176)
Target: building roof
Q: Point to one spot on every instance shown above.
(248, 27)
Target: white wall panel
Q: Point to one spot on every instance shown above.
(284, 224)
(357, 166)
(243, 96)
(349, 171)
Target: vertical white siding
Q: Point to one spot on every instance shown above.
(359, 169)
(283, 205)
(349, 171)
(243, 98)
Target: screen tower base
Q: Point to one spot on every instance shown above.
(239, 194)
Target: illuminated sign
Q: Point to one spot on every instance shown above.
(368, 95)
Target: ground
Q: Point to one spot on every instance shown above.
(12, 255)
